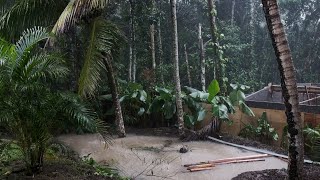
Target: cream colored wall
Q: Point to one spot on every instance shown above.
(276, 118)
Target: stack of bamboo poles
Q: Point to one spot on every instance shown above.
(208, 165)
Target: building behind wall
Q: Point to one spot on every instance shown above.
(270, 100)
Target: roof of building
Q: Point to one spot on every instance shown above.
(270, 97)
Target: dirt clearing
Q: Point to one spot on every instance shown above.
(150, 157)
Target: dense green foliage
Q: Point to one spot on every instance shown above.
(262, 132)
(31, 109)
(312, 142)
(39, 74)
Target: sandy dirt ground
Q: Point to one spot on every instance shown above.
(150, 157)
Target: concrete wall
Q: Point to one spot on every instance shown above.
(276, 118)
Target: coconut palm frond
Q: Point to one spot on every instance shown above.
(29, 39)
(72, 106)
(44, 66)
(19, 15)
(6, 48)
(106, 38)
(74, 11)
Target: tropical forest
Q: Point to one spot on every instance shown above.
(159, 89)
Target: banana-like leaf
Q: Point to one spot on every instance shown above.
(213, 90)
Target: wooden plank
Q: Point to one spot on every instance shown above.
(241, 161)
(201, 166)
(239, 158)
(200, 169)
(195, 164)
(229, 159)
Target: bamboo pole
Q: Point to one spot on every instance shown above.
(200, 169)
(229, 159)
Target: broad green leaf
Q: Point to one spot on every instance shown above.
(188, 120)
(143, 95)
(245, 109)
(220, 111)
(134, 95)
(190, 89)
(213, 90)
(135, 86)
(237, 96)
(123, 98)
(141, 111)
(201, 115)
(228, 103)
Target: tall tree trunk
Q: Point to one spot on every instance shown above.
(289, 88)
(232, 11)
(160, 44)
(115, 97)
(219, 62)
(176, 67)
(131, 42)
(130, 63)
(202, 60)
(187, 63)
(253, 19)
(133, 67)
(152, 41)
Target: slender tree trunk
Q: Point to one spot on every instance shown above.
(133, 67)
(202, 60)
(232, 11)
(187, 63)
(289, 88)
(115, 97)
(219, 62)
(152, 47)
(253, 19)
(176, 67)
(130, 64)
(131, 43)
(152, 40)
(160, 44)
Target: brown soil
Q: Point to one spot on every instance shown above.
(60, 169)
(311, 172)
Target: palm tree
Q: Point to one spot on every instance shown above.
(31, 110)
(104, 38)
(289, 88)
(176, 67)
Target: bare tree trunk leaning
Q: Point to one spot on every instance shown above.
(289, 88)
(187, 63)
(132, 43)
(202, 60)
(160, 44)
(115, 98)
(176, 67)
